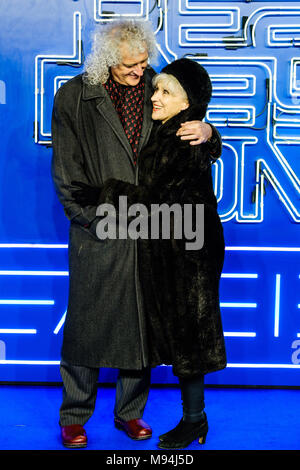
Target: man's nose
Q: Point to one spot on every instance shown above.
(138, 70)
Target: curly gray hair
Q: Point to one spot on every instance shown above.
(106, 50)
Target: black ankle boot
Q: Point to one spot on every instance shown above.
(184, 434)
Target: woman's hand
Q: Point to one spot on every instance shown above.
(197, 132)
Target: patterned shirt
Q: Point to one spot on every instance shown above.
(128, 102)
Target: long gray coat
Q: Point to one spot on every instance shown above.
(105, 323)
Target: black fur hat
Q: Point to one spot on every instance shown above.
(193, 78)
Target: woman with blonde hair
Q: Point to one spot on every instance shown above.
(180, 285)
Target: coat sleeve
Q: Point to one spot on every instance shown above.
(172, 182)
(67, 160)
(214, 144)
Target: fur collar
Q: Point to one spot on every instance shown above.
(195, 112)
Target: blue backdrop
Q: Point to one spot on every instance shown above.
(251, 50)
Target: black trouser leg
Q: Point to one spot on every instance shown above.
(132, 392)
(192, 395)
(80, 392)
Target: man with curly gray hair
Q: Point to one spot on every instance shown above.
(107, 48)
(101, 121)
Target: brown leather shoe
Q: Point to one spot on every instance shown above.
(135, 428)
(73, 436)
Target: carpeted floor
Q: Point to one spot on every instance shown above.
(239, 419)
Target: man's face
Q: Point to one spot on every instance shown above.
(132, 67)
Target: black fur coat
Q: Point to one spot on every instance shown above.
(180, 287)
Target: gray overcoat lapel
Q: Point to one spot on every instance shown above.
(147, 121)
(106, 108)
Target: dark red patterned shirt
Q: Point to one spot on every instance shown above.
(129, 104)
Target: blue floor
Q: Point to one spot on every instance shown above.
(239, 419)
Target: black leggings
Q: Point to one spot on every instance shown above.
(192, 395)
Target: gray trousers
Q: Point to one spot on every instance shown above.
(80, 392)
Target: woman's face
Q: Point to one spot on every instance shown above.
(166, 103)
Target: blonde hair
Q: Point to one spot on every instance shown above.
(171, 83)
(106, 49)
